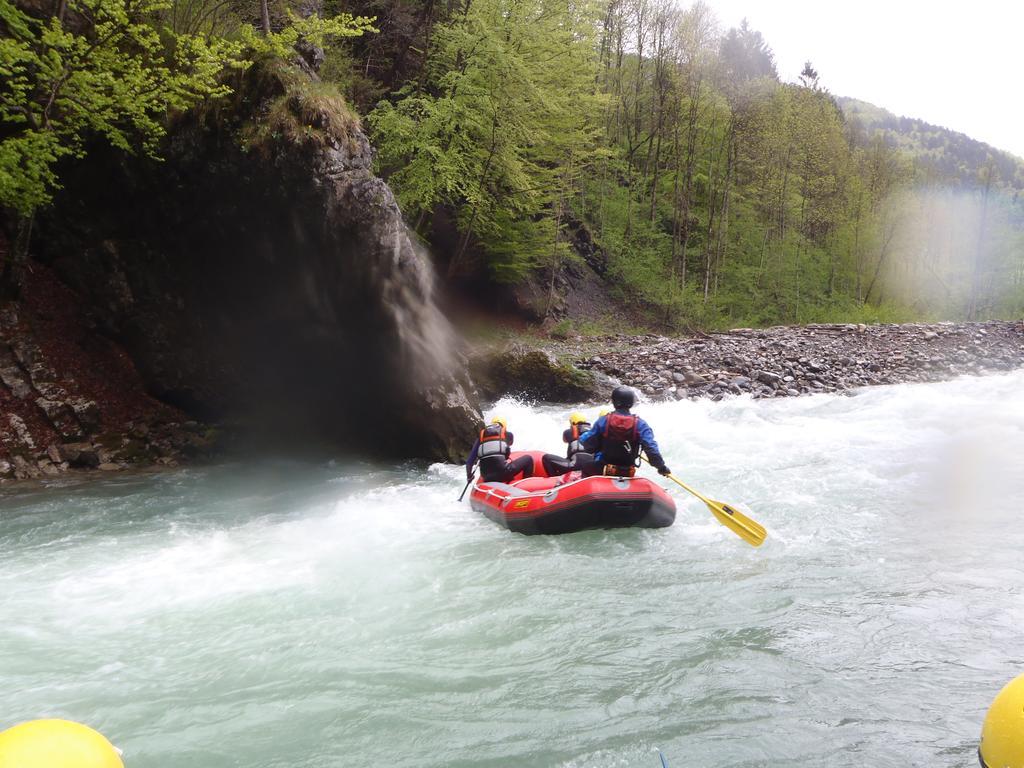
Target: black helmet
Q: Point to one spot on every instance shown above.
(623, 397)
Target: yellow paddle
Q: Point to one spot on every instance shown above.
(749, 530)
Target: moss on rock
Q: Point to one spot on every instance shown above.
(523, 371)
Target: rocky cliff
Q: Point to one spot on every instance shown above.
(262, 276)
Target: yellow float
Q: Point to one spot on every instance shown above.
(1002, 735)
(56, 744)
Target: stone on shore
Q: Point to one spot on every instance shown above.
(786, 361)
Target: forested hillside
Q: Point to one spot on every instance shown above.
(941, 154)
(513, 131)
(717, 193)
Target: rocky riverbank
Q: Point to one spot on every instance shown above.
(790, 361)
(71, 399)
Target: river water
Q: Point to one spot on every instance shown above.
(301, 615)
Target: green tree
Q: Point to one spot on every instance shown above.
(112, 69)
(746, 56)
(716, 193)
(497, 128)
(99, 68)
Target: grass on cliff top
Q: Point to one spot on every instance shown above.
(305, 111)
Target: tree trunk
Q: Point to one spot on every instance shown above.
(781, 223)
(882, 254)
(265, 16)
(675, 211)
(691, 159)
(855, 255)
(654, 183)
(796, 258)
(457, 259)
(556, 259)
(713, 159)
(723, 219)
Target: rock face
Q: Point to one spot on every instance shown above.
(263, 276)
(71, 399)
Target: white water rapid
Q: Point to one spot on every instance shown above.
(313, 616)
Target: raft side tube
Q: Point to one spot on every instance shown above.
(547, 507)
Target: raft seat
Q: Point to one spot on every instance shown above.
(532, 484)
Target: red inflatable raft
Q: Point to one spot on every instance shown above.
(571, 503)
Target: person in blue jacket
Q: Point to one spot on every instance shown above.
(616, 440)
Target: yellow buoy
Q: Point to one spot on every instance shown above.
(1002, 735)
(56, 744)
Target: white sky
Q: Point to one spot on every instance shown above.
(957, 65)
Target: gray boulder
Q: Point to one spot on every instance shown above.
(516, 369)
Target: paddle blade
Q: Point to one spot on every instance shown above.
(749, 530)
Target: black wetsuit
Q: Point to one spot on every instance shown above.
(497, 468)
(575, 456)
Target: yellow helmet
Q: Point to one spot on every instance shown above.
(56, 744)
(500, 420)
(1002, 735)
(577, 418)
(604, 412)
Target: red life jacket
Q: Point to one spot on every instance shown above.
(493, 442)
(620, 443)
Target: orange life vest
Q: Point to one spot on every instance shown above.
(576, 430)
(494, 442)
